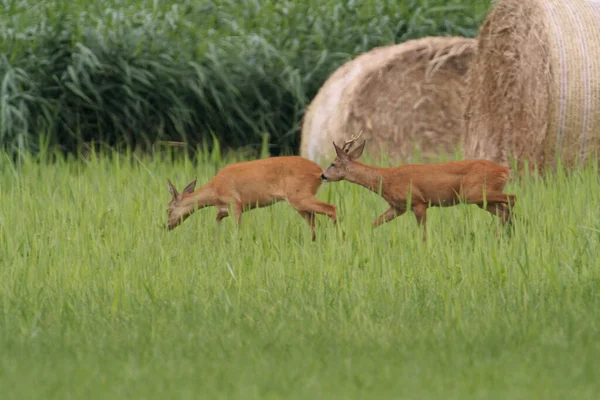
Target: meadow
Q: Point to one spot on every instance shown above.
(98, 301)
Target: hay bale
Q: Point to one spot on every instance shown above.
(534, 86)
(403, 97)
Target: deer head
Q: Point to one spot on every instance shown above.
(339, 167)
(177, 212)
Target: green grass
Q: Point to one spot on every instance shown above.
(132, 73)
(97, 302)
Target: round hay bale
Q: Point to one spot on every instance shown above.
(404, 97)
(534, 85)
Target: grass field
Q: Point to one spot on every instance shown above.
(96, 301)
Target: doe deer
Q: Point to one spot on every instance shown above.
(446, 184)
(254, 184)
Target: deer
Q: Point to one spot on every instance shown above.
(420, 186)
(247, 185)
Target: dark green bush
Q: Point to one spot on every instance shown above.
(134, 73)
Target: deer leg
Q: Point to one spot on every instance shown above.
(511, 200)
(420, 211)
(508, 209)
(387, 216)
(502, 211)
(310, 219)
(314, 205)
(499, 204)
(220, 215)
(478, 198)
(238, 209)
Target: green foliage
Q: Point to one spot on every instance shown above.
(97, 301)
(133, 73)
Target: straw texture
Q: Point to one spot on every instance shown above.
(534, 86)
(403, 97)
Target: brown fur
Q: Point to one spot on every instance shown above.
(446, 184)
(255, 184)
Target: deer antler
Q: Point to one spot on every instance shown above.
(350, 142)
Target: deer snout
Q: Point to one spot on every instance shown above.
(323, 177)
(170, 225)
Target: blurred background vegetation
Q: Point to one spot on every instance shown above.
(134, 73)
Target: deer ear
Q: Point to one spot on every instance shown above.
(172, 190)
(357, 152)
(340, 153)
(190, 187)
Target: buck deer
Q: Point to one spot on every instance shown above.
(254, 184)
(446, 184)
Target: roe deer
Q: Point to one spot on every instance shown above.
(254, 184)
(478, 182)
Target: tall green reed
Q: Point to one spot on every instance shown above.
(131, 73)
